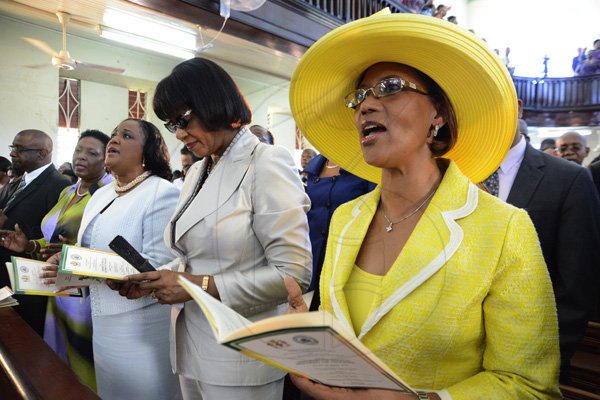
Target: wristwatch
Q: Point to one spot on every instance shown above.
(205, 280)
(423, 395)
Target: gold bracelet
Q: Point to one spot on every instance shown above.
(205, 280)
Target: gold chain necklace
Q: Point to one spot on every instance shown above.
(124, 188)
(390, 224)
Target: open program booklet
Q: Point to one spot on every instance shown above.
(24, 279)
(312, 344)
(6, 299)
(89, 266)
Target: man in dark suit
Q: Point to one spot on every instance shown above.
(563, 204)
(26, 203)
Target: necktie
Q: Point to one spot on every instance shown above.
(19, 189)
(492, 183)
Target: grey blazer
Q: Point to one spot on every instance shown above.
(247, 228)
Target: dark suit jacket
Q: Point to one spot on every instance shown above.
(595, 170)
(28, 210)
(563, 204)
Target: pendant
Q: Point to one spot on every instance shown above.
(389, 228)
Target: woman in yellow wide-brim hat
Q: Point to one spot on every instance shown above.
(443, 282)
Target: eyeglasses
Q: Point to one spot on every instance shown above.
(180, 122)
(385, 87)
(575, 146)
(20, 149)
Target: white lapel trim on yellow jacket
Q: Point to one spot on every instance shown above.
(339, 314)
(456, 237)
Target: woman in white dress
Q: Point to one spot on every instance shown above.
(131, 338)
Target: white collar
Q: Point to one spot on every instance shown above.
(30, 176)
(514, 156)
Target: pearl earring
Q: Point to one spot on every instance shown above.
(436, 128)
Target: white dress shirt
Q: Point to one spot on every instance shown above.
(30, 176)
(509, 168)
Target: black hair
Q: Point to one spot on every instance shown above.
(154, 159)
(263, 134)
(207, 89)
(185, 151)
(69, 173)
(548, 143)
(5, 164)
(96, 134)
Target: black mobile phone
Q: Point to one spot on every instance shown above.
(124, 249)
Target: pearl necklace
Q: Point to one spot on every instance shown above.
(390, 224)
(77, 191)
(119, 188)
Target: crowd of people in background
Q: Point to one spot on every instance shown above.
(587, 62)
(426, 7)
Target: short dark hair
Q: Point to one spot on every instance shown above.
(548, 143)
(96, 134)
(5, 164)
(207, 89)
(153, 156)
(185, 151)
(263, 134)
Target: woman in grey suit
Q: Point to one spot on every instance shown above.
(239, 228)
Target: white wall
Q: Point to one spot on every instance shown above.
(29, 97)
(535, 28)
(102, 106)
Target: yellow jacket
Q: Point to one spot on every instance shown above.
(467, 308)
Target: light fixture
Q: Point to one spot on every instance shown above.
(145, 43)
(151, 26)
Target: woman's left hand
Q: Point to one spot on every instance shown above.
(163, 285)
(52, 248)
(48, 274)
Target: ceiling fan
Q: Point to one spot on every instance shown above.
(63, 59)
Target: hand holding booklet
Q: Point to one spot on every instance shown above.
(313, 344)
(91, 263)
(24, 275)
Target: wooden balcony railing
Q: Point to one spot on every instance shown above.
(580, 93)
(350, 10)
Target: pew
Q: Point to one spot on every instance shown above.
(585, 367)
(29, 369)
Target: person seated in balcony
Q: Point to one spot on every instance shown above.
(428, 8)
(591, 64)
(573, 147)
(441, 11)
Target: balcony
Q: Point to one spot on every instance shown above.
(571, 101)
(290, 26)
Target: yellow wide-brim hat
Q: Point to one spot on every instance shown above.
(478, 85)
